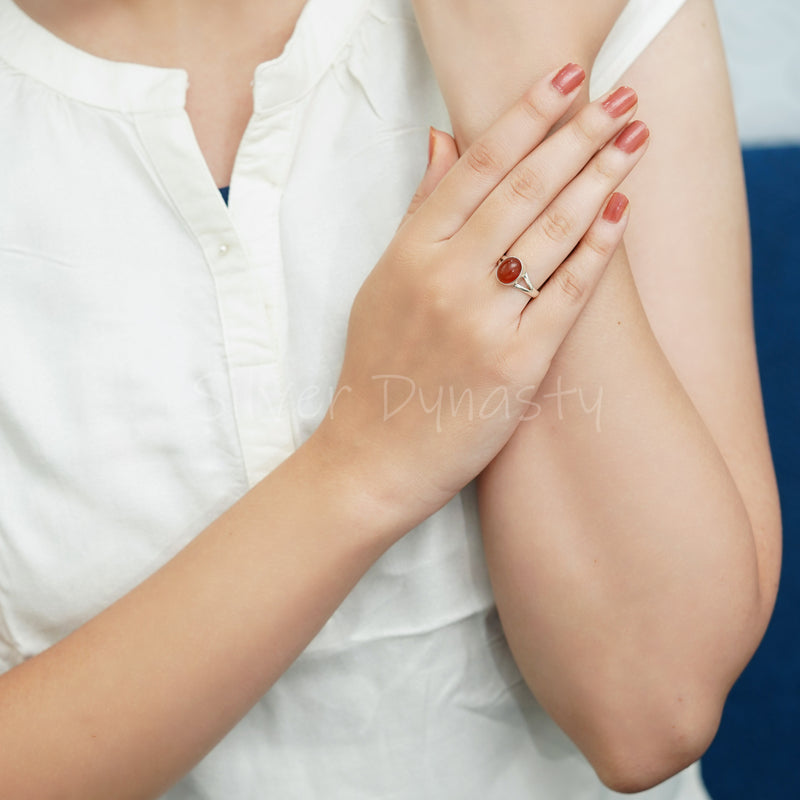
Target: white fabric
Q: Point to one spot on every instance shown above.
(638, 24)
(159, 353)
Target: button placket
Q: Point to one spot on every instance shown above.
(260, 173)
(248, 329)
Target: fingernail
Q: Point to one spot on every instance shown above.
(620, 101)
(615, 207)
(569, 78)
(431, 144)
(632, 137)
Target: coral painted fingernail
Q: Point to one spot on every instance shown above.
(620, 101)
(569, 78)
(615, 207)
(431, 144)
(632, 137)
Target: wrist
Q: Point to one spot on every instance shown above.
(357, 487)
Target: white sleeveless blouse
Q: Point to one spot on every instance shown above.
(161, 352)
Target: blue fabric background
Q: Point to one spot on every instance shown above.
(755, 755)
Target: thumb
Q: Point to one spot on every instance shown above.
(442, 154)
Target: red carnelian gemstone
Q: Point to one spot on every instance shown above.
(508, 270)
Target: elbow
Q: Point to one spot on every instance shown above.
(658, 750)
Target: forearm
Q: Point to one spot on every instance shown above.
(485, 55)
(625, 560)
(133, 699)
(621, 553)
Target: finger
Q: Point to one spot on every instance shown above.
(533, 184)
(495, 153)
(548, 319)
(557, 231)
(442, 154)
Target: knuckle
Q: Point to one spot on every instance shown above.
(602, 247)
(482, 160)
(570, 283)
(437, 301)
(558, 224)
(605, 171)
(526, 184)
(531, 105)
(584, 130)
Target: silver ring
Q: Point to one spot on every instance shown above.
(510, 271)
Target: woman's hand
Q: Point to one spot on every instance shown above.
(442, 359)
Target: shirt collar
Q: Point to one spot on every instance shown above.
(34, 51)
(321, 32)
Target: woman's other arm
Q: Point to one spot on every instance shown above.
(632, 529)
(129, 702)
(486, 54)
